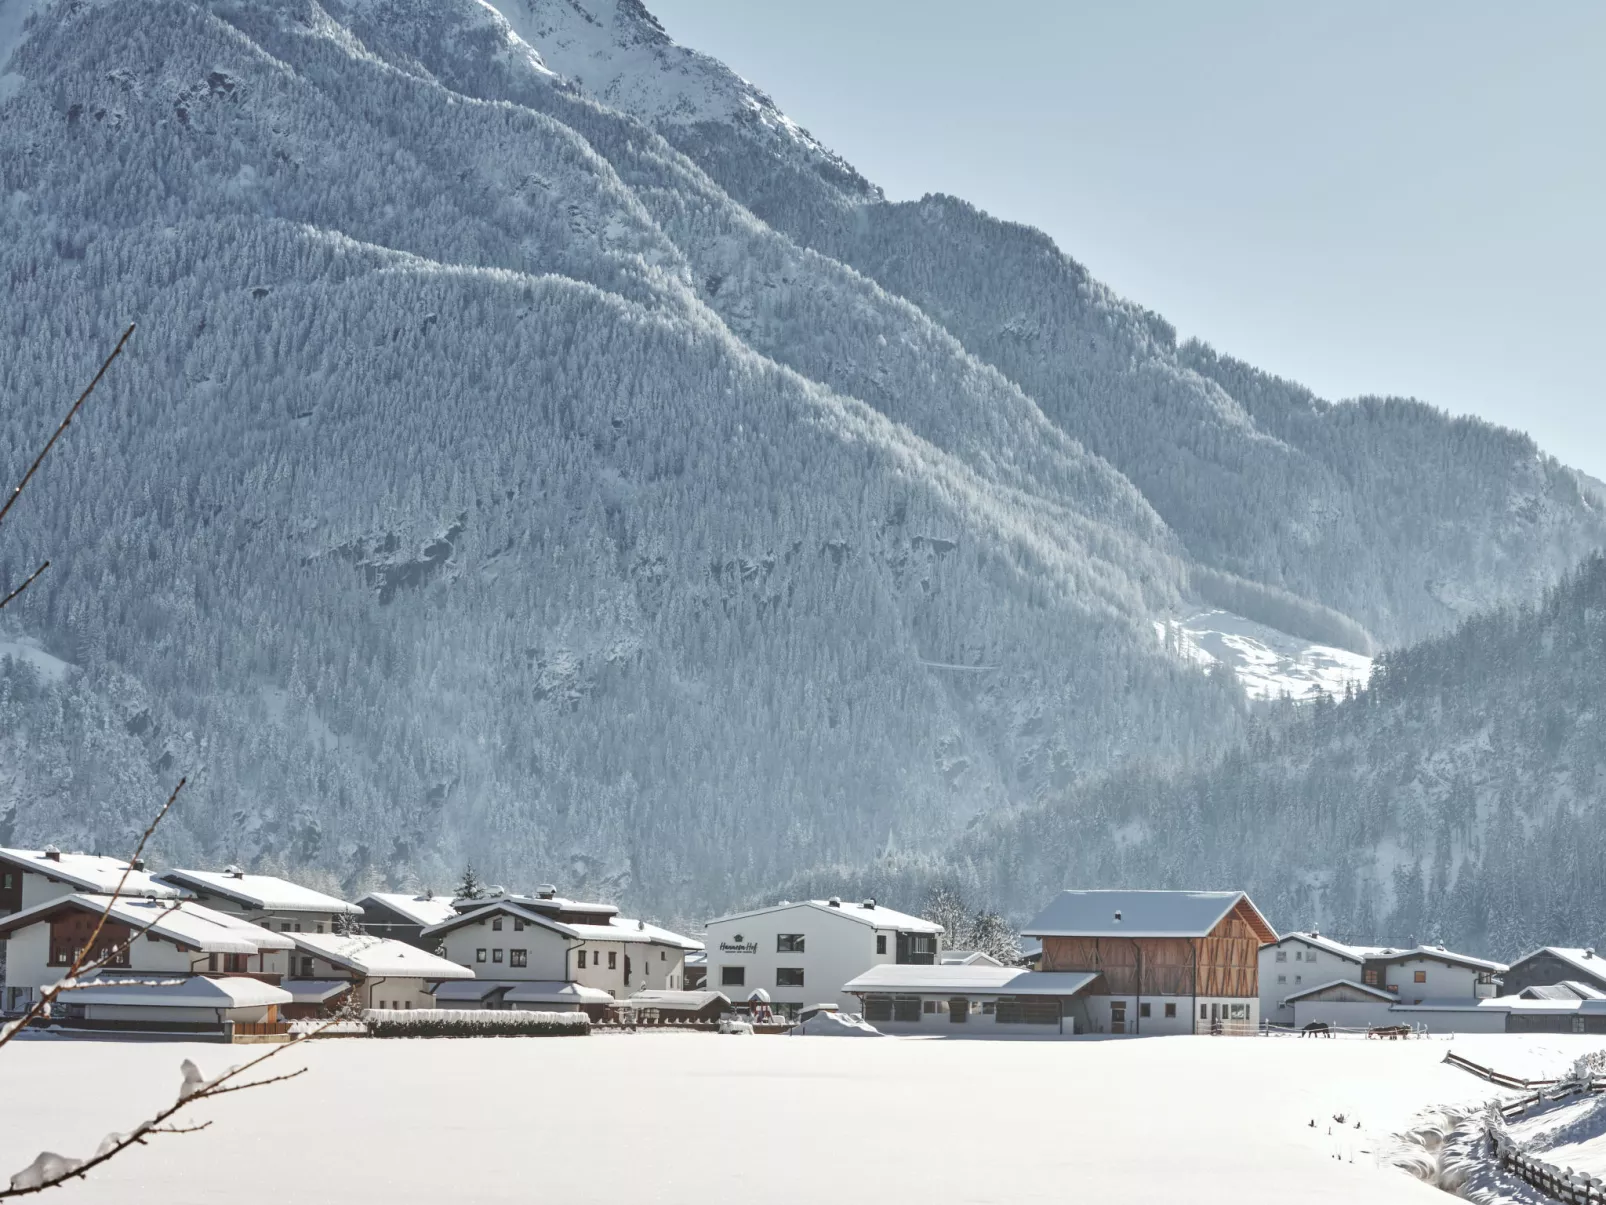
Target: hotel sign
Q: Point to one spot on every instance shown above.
(738, 946)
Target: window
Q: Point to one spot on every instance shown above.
(298, 926)
(732, 976)
(408, 1006)
(906, 1008)
(496, 955)
(1204, 1013)
(1369, 976)
(518, 958)
(989, 1008)
(1420, 977)
(284, 926)
(1282, 979)
(8, 882)
(320, 926)
(1237, 1012)
(788, 976)
(496, 925)
(919, 943)
(662, 956)
(1171, 1010)
(479, 954)
(613, 960)
(1282, 955)
(880, 943)
(1299, 955)
(878, 1008)
(1143, 1010)
(518, 924)
(1310, 955)
(789, 943)
(930, 1006)
(582, 960)
(1299, 979)
(306, 966)
(236, 963)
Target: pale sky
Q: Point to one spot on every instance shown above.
(1367, 198)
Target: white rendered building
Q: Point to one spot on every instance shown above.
(385, 973)
(805, 953)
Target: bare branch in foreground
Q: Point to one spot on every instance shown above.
(50, 1170)
(83, 964)
(65, 423)
(33, 577)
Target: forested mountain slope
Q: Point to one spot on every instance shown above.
(538, 450)
(1457, 799)
(1386, 510)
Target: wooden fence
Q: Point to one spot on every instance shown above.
(1495, 1077)
(1560, 1183)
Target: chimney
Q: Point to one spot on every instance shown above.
(1589, 953)
(52, 854)
(546, 891)
(137, 864)
(870, 904)
(834, 902)
(233, 871)
(641, 924)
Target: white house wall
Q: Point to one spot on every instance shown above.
(836, 949)
(1344, 1014)
(653, 966)
(547, 950)
(1313, 967)
(1443, 982)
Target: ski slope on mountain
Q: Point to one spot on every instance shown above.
(1268, 664)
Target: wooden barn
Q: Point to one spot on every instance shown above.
(1172, 961)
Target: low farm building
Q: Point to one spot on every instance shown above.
(228, 1008)
(985, 999)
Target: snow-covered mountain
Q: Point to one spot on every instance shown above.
(1457, 800)
(537, 449)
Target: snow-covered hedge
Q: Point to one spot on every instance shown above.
(473, 1023)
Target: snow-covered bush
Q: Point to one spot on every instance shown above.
(473, 1023)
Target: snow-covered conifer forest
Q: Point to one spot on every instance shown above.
(538, 451)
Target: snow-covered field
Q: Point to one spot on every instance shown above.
(1268, 663)
(682, 1118)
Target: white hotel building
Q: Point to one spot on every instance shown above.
(804, 953)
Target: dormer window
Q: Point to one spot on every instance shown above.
(496, 925)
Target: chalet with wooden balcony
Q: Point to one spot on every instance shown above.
(1169, 961)
(162, 938)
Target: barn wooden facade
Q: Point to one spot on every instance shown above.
(1157, 949)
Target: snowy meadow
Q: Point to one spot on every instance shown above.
(680, 1118)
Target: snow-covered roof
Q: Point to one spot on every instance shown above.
(1568, 989)
(965, 958)
(555, 991)
(1375, 992)
(263, 891)
(182, 921)
(1438, 952)
(194, 992)
(697, 957)
(499, 907)
(314, 991)
(466, 991)
(379, 956)
(983, 980)
(623, 929)
(1121, 913)
(89, 872)
(866, 913)
(422, 910)
(540, 902)
(1343, 949)
(691, 1002)
(1586, 960)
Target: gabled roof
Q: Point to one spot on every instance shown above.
(1123, 913)
(499, 907)
(623, 929)
(1568, 989)
(1586, 960)
(677, 1001)
(194, 992)
(1438, 952)
(182, 921)
(1375, 992)
(981, 980)
(89, 872)
(1343, 949)
(555, 991)
(378, 956)
(866, 913)
(263, 891)
(966, 958)
(423, 910)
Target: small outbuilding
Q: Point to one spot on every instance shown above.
(224, 1009)
(987, 1000)
(676, 1008)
